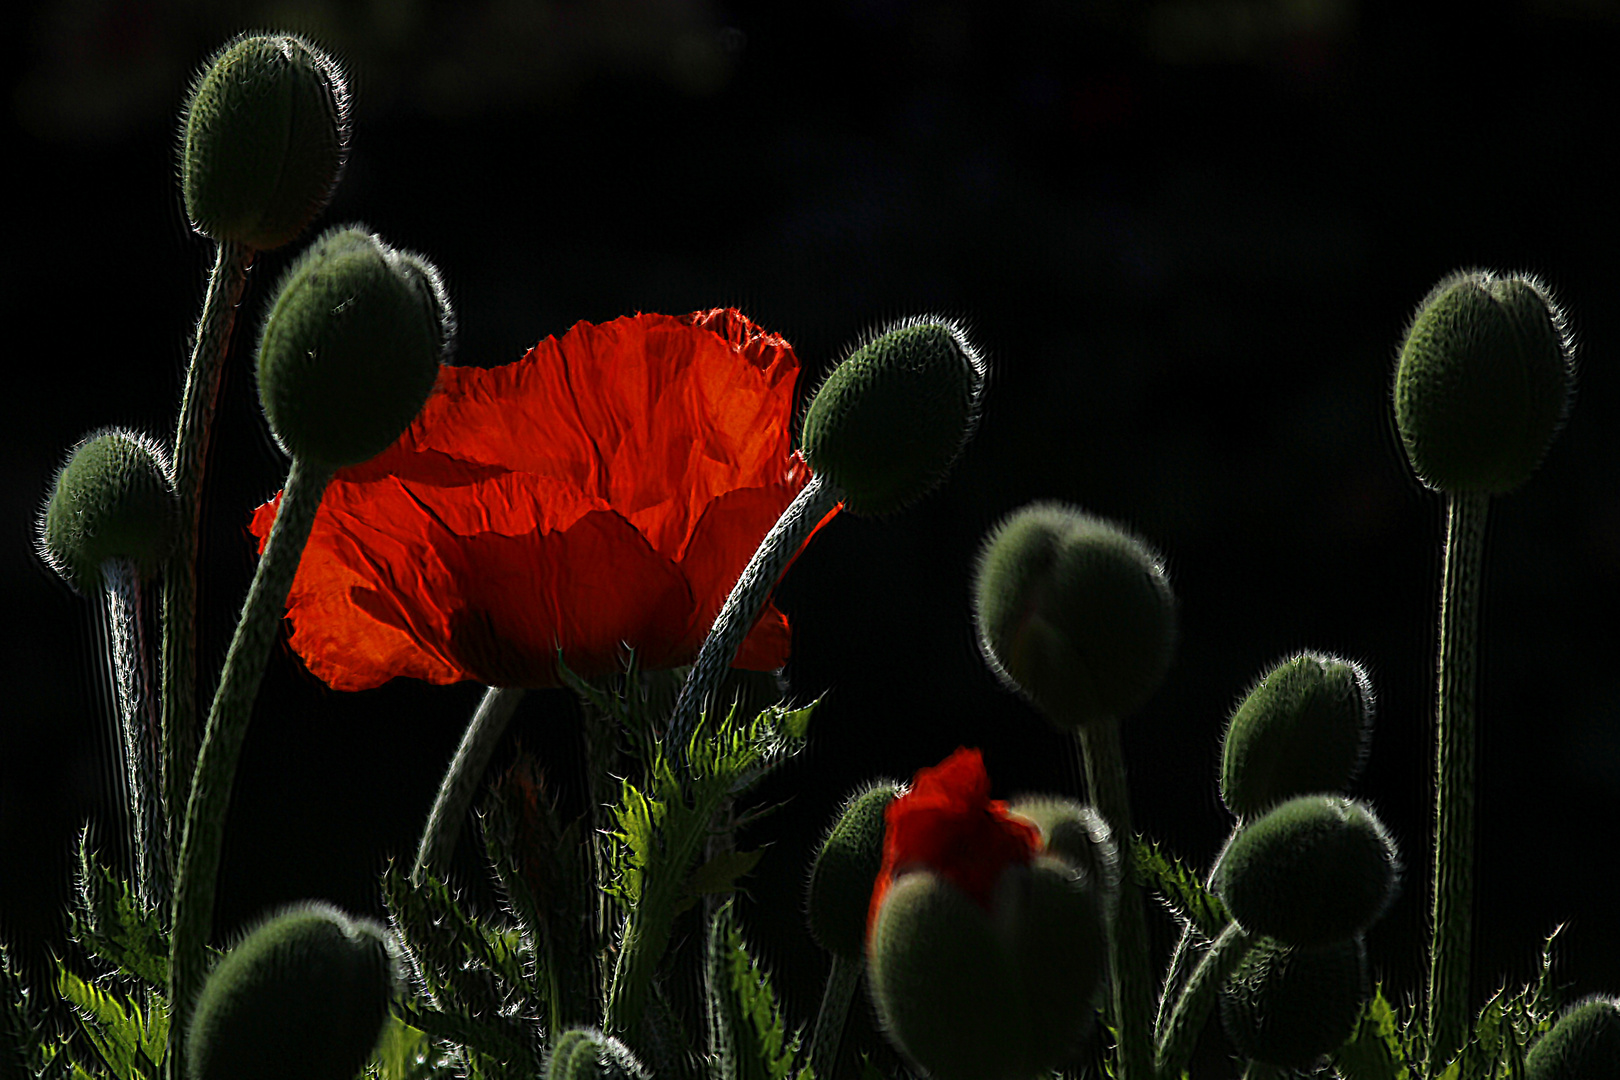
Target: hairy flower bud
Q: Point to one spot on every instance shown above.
(588, 1054)
(1583, 1045)
(845, 869)
(890, 421)
(1074, 613)
(1077, 834)
(111, 500)
(1483, 382)
(1287, 1005)
(1314, 870)
(351, 348)
(1302, 729)
(266, 133)
(305, 994)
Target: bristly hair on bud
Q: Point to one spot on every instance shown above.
(1483, 381)
(889, 422)
(263, 140)
(113, 498)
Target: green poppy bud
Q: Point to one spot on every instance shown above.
(1074, 613)
(1287, 1006)
(1583, 1045)
(112, 500)
(587, 1054)
(1484, 382)
(1302, 729)
(1314, 870)
(1078, 835)
(842, 876)
(351, 348)
(1003, 994)
(305, 994)
(890, 421)
(266, 134)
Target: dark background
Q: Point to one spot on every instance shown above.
(1187, 235)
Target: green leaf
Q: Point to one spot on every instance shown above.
(112, 924)
(128, 1041)
(463, 964)
(747, 1038)
(21, 1029)
(507, 1041)
(1179, 888)
(663, 828)
(404, 1053)
(1380, 1048)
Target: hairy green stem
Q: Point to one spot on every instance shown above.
(227, 727)
(1175, 977)
(461, 781)
(1452, 918)
(132, 680)
(1131, 984)
(179, 665)
(1198, 999)
(741, 609)
(842, 982)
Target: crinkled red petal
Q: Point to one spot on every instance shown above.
(600, 494)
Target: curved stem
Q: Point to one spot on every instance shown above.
(179, 667)
(1198, 999)
(462, 779)
(741, 609)
(204, 833)
(1131, 985)
(1175, 977)
(131, 677)
(1452, 921)
(842, 982)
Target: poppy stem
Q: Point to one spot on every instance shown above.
(223, 737)
(1198, 999)
(1131, 984)
(1452, 919)
(131, 680)
(178, 725)
(462, 780)
(741, 609)
(842, 982)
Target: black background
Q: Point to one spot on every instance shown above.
(1187, 235)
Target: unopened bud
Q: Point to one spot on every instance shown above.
(1583, 1045)
(844, 871)
(351, 348)
(111, 500)
(266, 134)
(891, 420)
(1287, 1005)
(1074, 613)
(1483, 383)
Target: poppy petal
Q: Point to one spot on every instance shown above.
(603, 492)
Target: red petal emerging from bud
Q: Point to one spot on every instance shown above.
(947, 822)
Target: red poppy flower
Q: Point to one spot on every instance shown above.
(947, 823)
(603, 492)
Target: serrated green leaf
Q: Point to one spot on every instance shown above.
(662, 829)
(20, 1027)
(403, 1053)
(1179, 888)
(506, 1041)
(112, 924)
(464, 964)
(128, 1041)
(1378, 1049)
(747, 1037)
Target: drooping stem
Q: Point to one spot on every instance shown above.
(842, 982)
(1131, 984)
(462, 779)
(226, 730)
(179, 667)
(1197, 1000)
(132, 680)
(1452, 921)
(741, 609)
